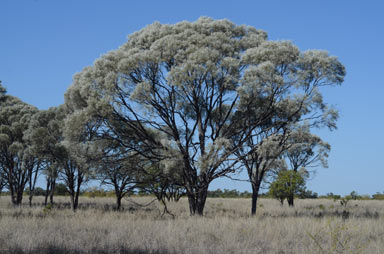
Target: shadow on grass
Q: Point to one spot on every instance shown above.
(344, 214)
(61, 250)
(92, 206)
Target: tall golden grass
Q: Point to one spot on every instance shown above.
(312, 226)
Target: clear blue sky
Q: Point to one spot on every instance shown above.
(44, 42)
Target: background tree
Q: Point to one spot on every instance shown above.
(3, 182)
(61, 189)
(287, 183)
(45, 136)
(305, 150)
(17, 164)
(81, 151)
(120, 174)
(3, 91)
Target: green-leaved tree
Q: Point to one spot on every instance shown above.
(288, 183)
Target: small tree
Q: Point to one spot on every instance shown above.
(287, 183)
(305, 150)
(119, 175)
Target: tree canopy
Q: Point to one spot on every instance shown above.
(195, 94)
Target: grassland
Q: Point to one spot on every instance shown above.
(313, 226)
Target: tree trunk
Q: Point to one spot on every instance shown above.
(202, 198)
(192, 203)
(290, 199)
(255, 195)
(75, 204)
(53, 184)
(118, 202)
(197, 201)
(17, 196)
(72, 194)
(30, 198)
(47, 190)
(32, 178)
(119, 196)
(75, 200)
(13, 195)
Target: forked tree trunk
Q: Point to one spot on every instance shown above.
(75, 201)
(49, 192)
(17, 196)
(197, 201)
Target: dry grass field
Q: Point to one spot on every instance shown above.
(313, 226)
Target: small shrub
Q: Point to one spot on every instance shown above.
(336, 238)
(47, 208)
(344, 201)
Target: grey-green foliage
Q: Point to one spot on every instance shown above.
(45, 136)
(76, 167)
(3, 182)
(306, 149)
(17, 163)
(195, 92)
(3, 91)
(281, 91)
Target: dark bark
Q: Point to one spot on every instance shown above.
(49, 192)
(17, 194)
(47, 189)
(118, 202)
(290, 200)
(17, 197)
(197, 201)
(73, 178)
(192, 203)
(76, 194)
(53, 185)
(32, 178)
(255, 195)
(119, 195)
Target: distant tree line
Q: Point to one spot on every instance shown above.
(171, 110)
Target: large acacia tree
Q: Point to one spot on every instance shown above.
(181, 88)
